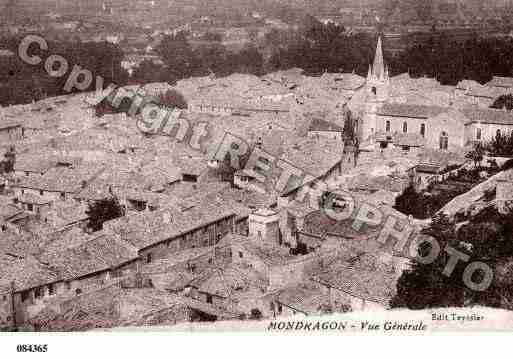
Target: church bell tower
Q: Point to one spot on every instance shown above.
(377, 86)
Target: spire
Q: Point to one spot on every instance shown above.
(378, 68)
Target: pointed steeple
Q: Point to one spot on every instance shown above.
(378, 69)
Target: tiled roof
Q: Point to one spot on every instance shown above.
(263, 89)
(26, 273)
(350, 81)
(243, 202)
(307, 297)
(361, 278)
(33, 199)
(410, 111)
(486, 92)
(313, 156)
(151, 198)
(320, 224)
(319, 124)
(467, 84)
(146, 229)
(177, 258)
(67, 212)
(234, 103)
(96, 255)
(59, 179)
(5, 124)
(498, 81)
(268, 253)
(488, 116)
(8, 210)
(225, 281)
(36, 164)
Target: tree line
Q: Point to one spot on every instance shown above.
(485, 237)
(24, 83)
(314, 47)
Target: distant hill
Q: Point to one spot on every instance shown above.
(390, 9)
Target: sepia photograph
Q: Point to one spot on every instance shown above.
(265, 166)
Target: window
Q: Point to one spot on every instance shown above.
(209, 299)
(444, 141)
(387, 126)
(51, 289)
(38, 293)
(63, 195)
(41, 192)
(498, 133)
(24, 296)
(241, 255)
(423, 130)
(148, 258)
(189, 178)
(78, 291)
(4, 227)
(478, 134)
(405, 127)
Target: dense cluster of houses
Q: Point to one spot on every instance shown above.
(202, 242)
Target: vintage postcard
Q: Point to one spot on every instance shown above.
(274, 166)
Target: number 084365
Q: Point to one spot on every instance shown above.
(32, 348)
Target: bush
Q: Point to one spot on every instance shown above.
(256, 314)
(173, 98)
(507, 165)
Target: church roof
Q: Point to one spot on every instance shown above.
(410, 111)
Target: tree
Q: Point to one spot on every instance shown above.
(425, 286)
(148, 72)
(411, 203)
(9, 160)
(503, 102)
(173, 98)
(476, 155)
(349, 127)
(501, 144)
(256, 314)
(177, 54)
(102, 211)
(485, 237)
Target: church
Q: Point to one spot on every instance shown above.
(408, 113)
